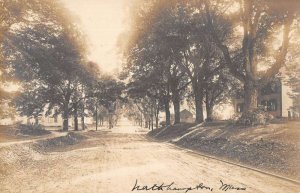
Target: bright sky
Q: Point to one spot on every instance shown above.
(102, 22)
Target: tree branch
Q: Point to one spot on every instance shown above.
(280, 59)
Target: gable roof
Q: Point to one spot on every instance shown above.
(186, 112)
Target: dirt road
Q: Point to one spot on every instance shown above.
(114, 162)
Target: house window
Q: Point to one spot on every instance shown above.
(272, 105)
(264, 104)
(239, 107)
(270, 88)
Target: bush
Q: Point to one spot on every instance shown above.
(163, 123)
(33, 130)
(217, 116)
(255, 117)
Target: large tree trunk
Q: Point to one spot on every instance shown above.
(167, 111)
(75, 117)
(156, 117)
(199, 110)
(250, 98)
(176, 104)
(175, 99)
(66, 118)
(209, 108)
(198, 97)
(209, 111)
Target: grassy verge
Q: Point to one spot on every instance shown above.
(273, 148)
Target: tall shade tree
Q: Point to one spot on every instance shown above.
(48, 50)
(11, 12)
(181, 51)
(260, 21)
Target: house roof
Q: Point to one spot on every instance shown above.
(186, 112)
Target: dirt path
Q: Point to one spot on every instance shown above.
(112, 162)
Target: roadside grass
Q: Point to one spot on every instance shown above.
(273, 147)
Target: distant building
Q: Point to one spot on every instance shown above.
(186, 116)
(273, 97)
(53, 121)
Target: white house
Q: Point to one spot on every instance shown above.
(274, 97)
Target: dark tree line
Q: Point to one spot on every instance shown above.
(204, 50)
(45, 54)
(198, 50)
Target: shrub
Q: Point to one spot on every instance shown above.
(254, 117)
(163, 123)
(33, 130)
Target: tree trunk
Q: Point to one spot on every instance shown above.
(96, 117)
(82, 122)
(66, 111)
(110, 121)
(156, 117)
(66, 118)
(152, 122)
(209, 111)
(198, 97)
(176, 104)
(199, 111)
(175, 99)
(151, 118)
(167, 106)
(250, 96)
(82, 110)
(75, 118)
(209, 108)
(167, 111)
(146, 123)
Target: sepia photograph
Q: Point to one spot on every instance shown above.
(149, 96)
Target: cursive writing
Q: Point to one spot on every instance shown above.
(169, 187)
(225, 187)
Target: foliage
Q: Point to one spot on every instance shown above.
(32, 130)
(255, 117)
(260, 21)
(46, 54)
(167, 51)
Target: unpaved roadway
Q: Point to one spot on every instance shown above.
(110, 162)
